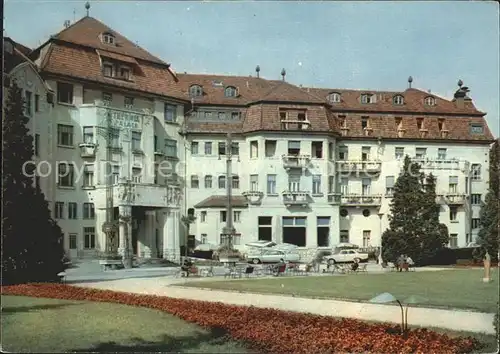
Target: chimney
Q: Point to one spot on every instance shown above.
(460, 96)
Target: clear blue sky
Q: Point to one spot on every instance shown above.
(364, 45)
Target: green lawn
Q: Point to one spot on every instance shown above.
(49, 325)
(458, 288)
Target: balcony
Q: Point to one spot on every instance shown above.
(146, 195)
(253, 197)
(295, 124)
(360, 166)
(334, 198)
(453, 199)
(87, 150)
(442, 164)
(294, 198)
(361, 200)
(296, 161)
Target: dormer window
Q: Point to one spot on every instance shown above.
(195, 91)
(125, 73)
(333, 97)
(430, 101)
(398, 100)
(367, 98)
(230, 91)
(107, 69)
(108, 38)
(420, 123)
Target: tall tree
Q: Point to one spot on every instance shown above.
(489, 233)
(414, 227)
(32, 242)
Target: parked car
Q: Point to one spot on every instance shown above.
(346, 256)
(272, 256)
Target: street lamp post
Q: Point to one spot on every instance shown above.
(229, 229)
(380, 258)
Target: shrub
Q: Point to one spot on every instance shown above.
(269, 330)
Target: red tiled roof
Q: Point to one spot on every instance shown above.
(116, 56)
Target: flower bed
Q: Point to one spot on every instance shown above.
(268, 330)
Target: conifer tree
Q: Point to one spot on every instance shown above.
(32, 242)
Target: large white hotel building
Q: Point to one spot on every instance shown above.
(311, 166)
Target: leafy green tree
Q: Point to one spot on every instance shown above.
(32, 242)
(488, 236)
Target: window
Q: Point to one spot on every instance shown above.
(222, 148)
(88, 211)
(195, 183)
(125, 73)
(115, 138)
(107, 69)
(389, 185)
(254, 149)
(88, 175)
(203, 216)
(64, 93)
(366, 186)
(293, 148)
(323, 231)
(73, 241)
(476, 223)
(223, 216)
(442, 154)
(265, 228)
(270, 147)
(107, 98)
(208, 148)
(37, 144)
(128, 102)
(64, 135)
(344, 236)
(208, 181)
(365, 153)
(222, 182)
(420, 123)
(235, 115)
(271, 184)
(170, 113)
(316, 184)
(430, 101)
(343, 153)
(230, 91)
(475, 199)
(28, 103)
(235, 183)
(170, 148)
(294, 183)
(37, 103)
(222, 115)
(333, 97)
(476, 129)
(441, 124)
(136, 141)
(136, 175)
(399, 153)
(476, 172)
(72, 210)
(88, 135)
(59, 210)
(331, 184)
(294, 230)
(254, 183)
(195, 91)
(366, 238)
(367, 98)
(453, 213)
(89, 237)
(331, 151)
(453, 184)
(108, 38)
(344, 185)
(116, 174)
(398, 100)
(364, 122)
(453, 243)
(317, 149)
(194, 148)
(65, 175)
(420, 153)
(237, 216)
(235, 149)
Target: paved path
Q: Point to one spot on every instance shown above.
(457, 320)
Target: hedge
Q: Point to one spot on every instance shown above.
(269, 330)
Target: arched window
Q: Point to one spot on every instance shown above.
(333, 97)
(230, 91)
(222, 182)
(398, 100)
(195, 91)
(108, 38)
(430, 101)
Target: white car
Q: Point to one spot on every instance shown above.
(272, 256)
(346, 256)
